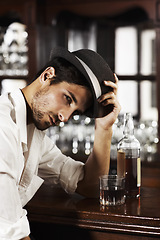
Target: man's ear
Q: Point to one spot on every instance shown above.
(48, 73)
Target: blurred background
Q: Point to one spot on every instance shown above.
(125, 33)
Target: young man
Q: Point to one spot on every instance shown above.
(71, 83)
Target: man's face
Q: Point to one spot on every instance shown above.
(58, 103)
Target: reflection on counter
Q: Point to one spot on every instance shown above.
(76, 137)
(131, 207)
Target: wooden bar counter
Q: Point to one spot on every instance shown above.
(53, 214)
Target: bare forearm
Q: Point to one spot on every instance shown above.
(101, 151)
(99, 161)
(97, 164)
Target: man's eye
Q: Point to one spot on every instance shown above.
(69, 100)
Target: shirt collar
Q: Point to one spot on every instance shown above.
(20, 113)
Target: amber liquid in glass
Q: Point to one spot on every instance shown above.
(112, 196)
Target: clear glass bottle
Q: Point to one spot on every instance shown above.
(128, 158)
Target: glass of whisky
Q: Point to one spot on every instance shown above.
(112, 190)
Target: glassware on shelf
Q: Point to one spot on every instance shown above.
(77, 137)
(14, 50)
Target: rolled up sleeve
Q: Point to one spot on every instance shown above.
(56, 168)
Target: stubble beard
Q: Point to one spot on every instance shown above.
(38, 105)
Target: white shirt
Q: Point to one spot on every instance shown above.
(26, 156)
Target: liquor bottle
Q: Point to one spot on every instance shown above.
(128, 158)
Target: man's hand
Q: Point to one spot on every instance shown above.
(109, 98)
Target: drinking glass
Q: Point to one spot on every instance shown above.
(112, 190)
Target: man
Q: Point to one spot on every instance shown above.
(71, 83)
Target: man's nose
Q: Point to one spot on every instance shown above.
(65, 116)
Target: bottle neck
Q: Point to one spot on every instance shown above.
(128, 125)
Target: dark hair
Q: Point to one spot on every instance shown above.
(65, 71)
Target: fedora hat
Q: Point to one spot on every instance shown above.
(95, 69)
